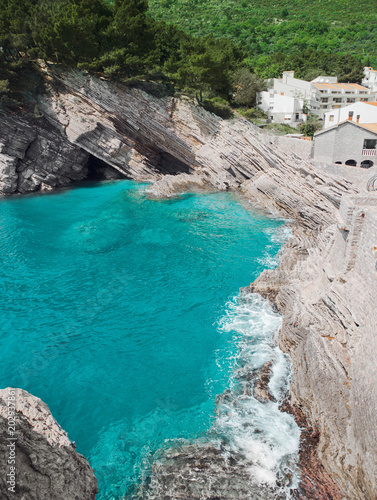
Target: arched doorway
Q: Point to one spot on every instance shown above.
(366, 164)
(351, 163)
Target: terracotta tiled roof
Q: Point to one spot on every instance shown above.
(369, 126)
(340, 86)
(371, 103)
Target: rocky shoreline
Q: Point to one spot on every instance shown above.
(326, 283)
(45, 462)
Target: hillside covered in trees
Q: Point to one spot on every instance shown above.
(122, 40)
(275, 33)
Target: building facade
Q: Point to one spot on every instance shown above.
(347, 143)
(370, 78)
(319, 96)
(281, 108)
(360, 112)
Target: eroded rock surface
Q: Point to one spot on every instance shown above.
(47, 465)
(326, 288)
(34, 157)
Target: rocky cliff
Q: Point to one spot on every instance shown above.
(39, 462)
(325, 286)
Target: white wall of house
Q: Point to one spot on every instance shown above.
(292, 87)
(325, 79)
(362, 112)
(321, 94)
(370, 78)
(338, 95)
(281, 108)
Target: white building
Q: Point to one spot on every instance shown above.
(370, 78)
(337, 95)
(319, 95)
(281, 108)
(360, 112)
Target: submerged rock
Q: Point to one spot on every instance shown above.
(203, 471)
(39, 462)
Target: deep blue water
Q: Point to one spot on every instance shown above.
(114, 309)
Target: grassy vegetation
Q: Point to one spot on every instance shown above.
(281, 129)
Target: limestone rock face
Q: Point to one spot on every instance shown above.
(34, 157)
(47, 466)
(145, 137)
(326, 288)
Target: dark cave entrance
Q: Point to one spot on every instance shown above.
(99, 170)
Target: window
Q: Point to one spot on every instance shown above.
(331, 119)
(337, 99)
(357, 118)
(350, 99)
(324, 99)
(364, 99)
(271, 107)
(350, 115)
(370, 143)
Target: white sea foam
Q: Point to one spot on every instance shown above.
(265, 437)
(279, 235)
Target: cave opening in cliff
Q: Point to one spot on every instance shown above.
(169, 164)
(99, 170)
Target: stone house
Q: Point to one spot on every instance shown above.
(347, 143)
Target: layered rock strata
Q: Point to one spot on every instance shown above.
(325, 286)
(39, 462)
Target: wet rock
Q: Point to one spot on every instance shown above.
(171, 185)
(261, 390)
(316, 483)
(203, 471)
(46, 463)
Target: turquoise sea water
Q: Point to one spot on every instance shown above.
(121, 313)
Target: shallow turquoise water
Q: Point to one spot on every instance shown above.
(113, 313)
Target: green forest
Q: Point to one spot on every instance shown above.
(220, 52)
(271, 32)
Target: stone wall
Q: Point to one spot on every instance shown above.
(342, 143)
